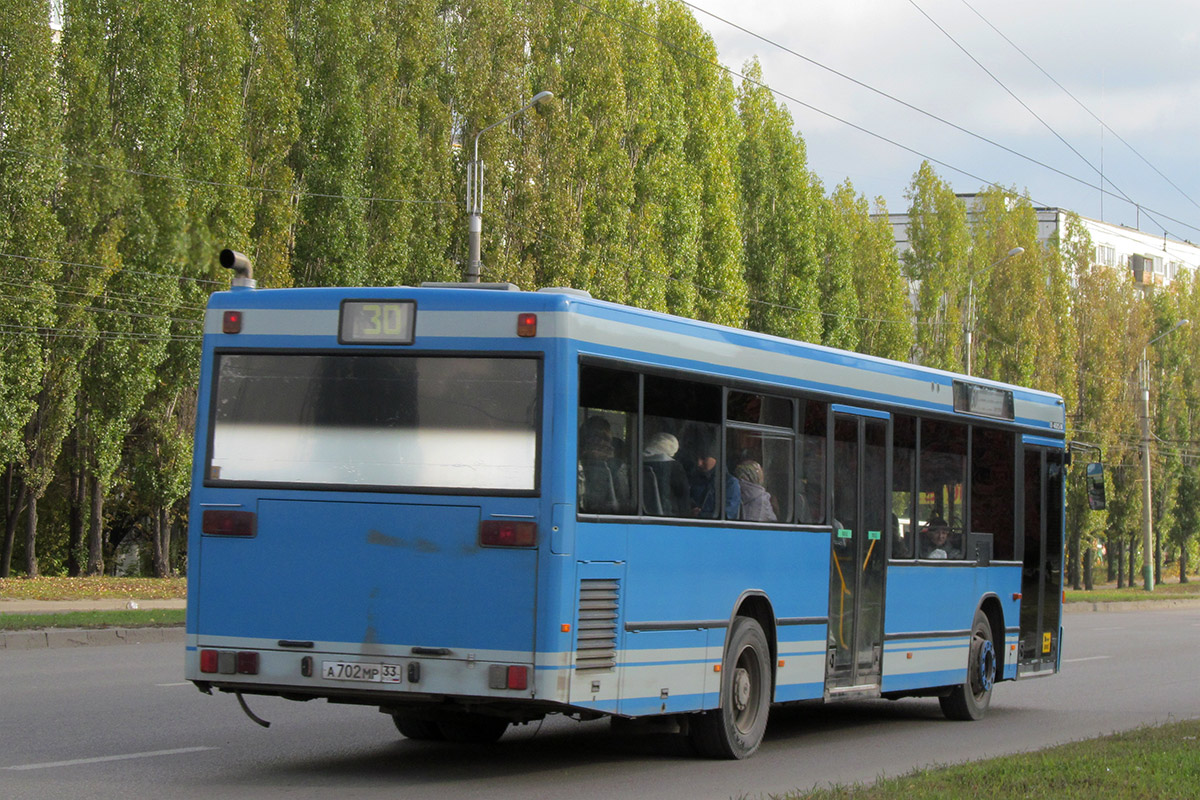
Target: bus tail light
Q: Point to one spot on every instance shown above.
(527, 325)
(518, 677)
(231, 322)
(224, 522)
(507, 533)
(227, 662)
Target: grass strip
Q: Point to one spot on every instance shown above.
(1162, 591)
(118, 618)
(92, 588)
(1149, 762)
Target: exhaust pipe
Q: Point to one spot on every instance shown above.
(243, 271)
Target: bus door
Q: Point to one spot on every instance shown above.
(1042, 562)
(858, 543)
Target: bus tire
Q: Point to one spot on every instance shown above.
(472, 728)
(735, 729)
(970, 700)
(421, 730)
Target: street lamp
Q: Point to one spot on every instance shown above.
(969, 326)
(475, 191)
(1147, 527)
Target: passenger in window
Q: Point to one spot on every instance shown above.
(666, 489)
(934, 540)
(757, 502)
(704, 487)
(603, 478)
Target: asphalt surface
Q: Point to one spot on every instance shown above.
(79, 637)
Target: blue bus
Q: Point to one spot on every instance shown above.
(473, 506)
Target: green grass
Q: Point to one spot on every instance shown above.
(1109, 594)
(123, 618)
(98, 588)
(1161, 762)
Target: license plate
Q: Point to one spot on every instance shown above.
(358, 671)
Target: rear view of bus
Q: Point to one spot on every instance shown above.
(358, 490)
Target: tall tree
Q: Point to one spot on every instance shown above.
(1015, 297)
(884, 323)
(329, 159)
(710, 148)
(30, 241)
(839, 300)
(270, 129)
(936, 261)
(137, 310)
(778, 218)
(92, 210)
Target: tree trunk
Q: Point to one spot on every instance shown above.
(1073, 560)
(95, 565)
(162, 544)
(10, 522)
(75, 521)
(1117, 561)
(31, 564)
(1113, 564)
(1158, 554)
(1089, 558)
(1133, 560)
(1183, 563)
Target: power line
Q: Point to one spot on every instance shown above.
(60, 289)
(779, 93)
(219, 184)
(891, 97)
(1033, 113)
(1079, 102)
(100, 309)
(122, 269)
(108, 335)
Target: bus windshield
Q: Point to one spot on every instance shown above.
(387, 421)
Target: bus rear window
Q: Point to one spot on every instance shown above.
(415, 422)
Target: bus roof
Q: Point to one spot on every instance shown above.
(602, 328)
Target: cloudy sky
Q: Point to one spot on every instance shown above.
(1134, 65)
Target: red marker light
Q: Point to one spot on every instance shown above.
(231, 322)
(518, 677)
(221, 522)
(506, 533)
(526, 325)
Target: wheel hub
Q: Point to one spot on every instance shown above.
(741, 689)
(985, 665)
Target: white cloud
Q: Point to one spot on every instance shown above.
(1134, 65)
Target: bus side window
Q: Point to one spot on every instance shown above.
(943, 476)
(810, 478)
(607, 439)
(904, 460)
(690, 411)
(993, 489)
(759, 451)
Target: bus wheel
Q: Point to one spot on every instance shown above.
(423, 730)
(735, 729)
(971, 700)
(472, 728)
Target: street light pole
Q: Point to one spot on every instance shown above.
(1147, 522)
(475, 192)
(969, 326)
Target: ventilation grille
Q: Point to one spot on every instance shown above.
(596, 647)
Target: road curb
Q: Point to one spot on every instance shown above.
(80, 637)
(1130, 605)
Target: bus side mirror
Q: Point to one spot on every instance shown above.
(1095, 486)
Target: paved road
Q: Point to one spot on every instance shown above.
(117, 722)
